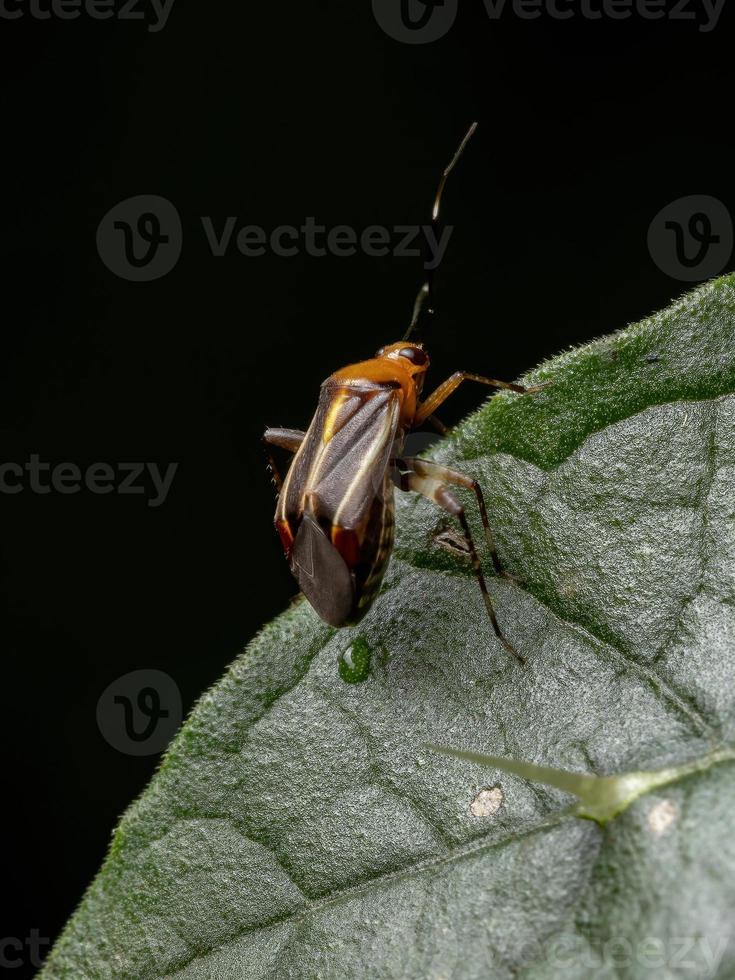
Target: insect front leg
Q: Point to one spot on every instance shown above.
(437, 423)
(439, 493)
(440, 395)
(289, 439)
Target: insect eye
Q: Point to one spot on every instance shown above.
(413, 354)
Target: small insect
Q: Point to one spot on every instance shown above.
(335, 510)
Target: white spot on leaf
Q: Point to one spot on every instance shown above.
(487, 802)
(662, 816)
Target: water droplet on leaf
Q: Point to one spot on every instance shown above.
(354, 662)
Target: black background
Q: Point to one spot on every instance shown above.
(272, 113)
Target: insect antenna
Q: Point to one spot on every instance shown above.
(424, 304)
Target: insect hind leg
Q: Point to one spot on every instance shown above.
(435, 490)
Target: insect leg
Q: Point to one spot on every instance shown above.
(424, 467)
(437, 423)
(289, 439)
(440, 395)
(437, 492)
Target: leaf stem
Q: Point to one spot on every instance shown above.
(600, 798)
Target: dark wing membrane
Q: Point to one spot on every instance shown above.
(322, 573)
(339, 469)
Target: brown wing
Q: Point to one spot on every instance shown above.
(336, 499)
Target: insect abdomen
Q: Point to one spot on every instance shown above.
(381, 551)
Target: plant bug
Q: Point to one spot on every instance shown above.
(335, 510)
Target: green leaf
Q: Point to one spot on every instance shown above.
(299, 827)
